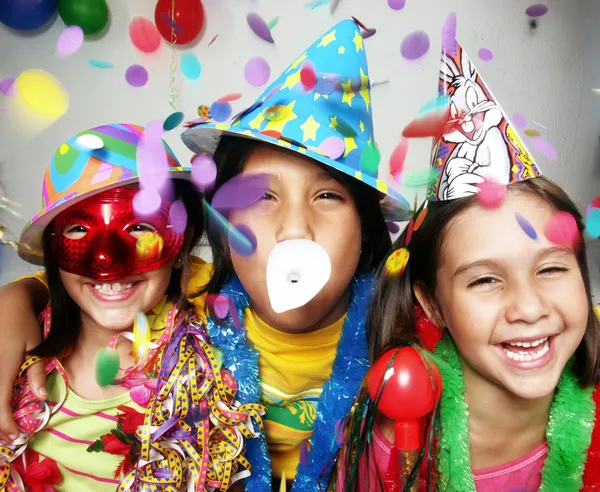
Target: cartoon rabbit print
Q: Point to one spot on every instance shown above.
(481, 150)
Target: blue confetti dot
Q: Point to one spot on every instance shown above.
(242, 240)
(592, 223)
(190, 65)
(526, 226)
(220, 111)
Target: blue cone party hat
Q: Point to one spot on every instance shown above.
(478, 140)
(328, 119)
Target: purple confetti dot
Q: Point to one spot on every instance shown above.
(221, 307)
(545, 148)
(526, 226)
(333, 146)
(204, 171)
(396, 4)
(486, 54)
(257, 71)
(7, 86)
(242, 240)
(519, 120)
(415, 45)
(392, 227)
(69, 41)
(449, 32)
(178, 217)
(325, 86)
(220, 111)
(536, 10)
(136, 76)
(146, 202)
(259, 27)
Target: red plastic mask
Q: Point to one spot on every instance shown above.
(108, 240)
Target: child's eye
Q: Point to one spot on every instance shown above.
(328, 195)
(136, 230)
(74, 231)
(483, 281)
(552, 270)
(268, 196)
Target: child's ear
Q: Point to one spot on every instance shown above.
(429, 305)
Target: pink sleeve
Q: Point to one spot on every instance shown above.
(373, 465)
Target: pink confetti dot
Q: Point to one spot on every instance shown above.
(545, 147)
(308, 76)
(491, 194)
(69, 41)
(415, 45)
(398, 157)
(204, 171)
(136, 76)
(396, 4)
(519, 120)
(449, 32)
(333, 146)
(178, 217)
(7, 86)
(221, 307)
(146, 201)
(257, 71)
(486, 54)
(562, 229)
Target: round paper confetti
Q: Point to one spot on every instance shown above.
(190, 65)
(545, 148)
(136, 76)
(259, 27)
(242, 240)
(173, 121)
(257, 71)
(43, 93)
(69, 41)
(536, 10)
(562, 229)
(325, 86)
(7, 86)
(146, 201)
(107, 366)
(486, 54)
(491, 194)
(220, 111)
(333, 146)
(89, 142)
(221, 307)
(178, 217)
(526, 226)
(416, 178)
(595, 202)
(100, 64)
(369, 160)
(308, 76)
(230, 97)
(592, 223)
(144, 34)
(396, 4)
(204, 171)
(204, 111)
(398, 157)
(532, 132)
(392, 227)
(414, 45)
(519, 120)
(449, 32)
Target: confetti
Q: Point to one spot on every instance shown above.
(420, 219)
(204, 172)
(171, 23)
(485, 54)
(136, 76)
(146, 201)
(100, 64)
(595, 202)
(230, 97)
(449, 32)
(43, 93)
(257, 71)
(325, 86)
(414, 45)
(536, 10)
(345, 129)
(213, 39)
(107, 366)
(417, 178)
(237, 239)
(409, 230)
(178, 217)
(531, 132)
(221, 306)
(491, 194)
(308, 76)
(396, 4)
(144, 35)
(545, 148)
(190, 65)
(204, 111)
(273, 22)
(397, 261)
(430, 124)
(173, 121)
(519, 120)
(259, 27)
(392, 227)
(220, 111)
(439, 103)
(316, 3)
(398, 157)
(7, 86)
(333, 5)
(592, 223)
(89, 142)
(369, 160)
(526, 226)
(334, 147)
(69, 41)
(562, 229)
(240, 192)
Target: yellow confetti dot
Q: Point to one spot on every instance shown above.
(43, 93)
(396, 262)
(64, 148)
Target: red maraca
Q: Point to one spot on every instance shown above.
(413, 386)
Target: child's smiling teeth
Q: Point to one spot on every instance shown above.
(526, 351)
(112, 289)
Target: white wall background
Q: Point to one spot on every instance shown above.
(547, 74)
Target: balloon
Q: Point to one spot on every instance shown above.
(26, 15)
(90, 15)
(186, 20)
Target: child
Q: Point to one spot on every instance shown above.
(510, 291)
(108, 261)
(316, 144)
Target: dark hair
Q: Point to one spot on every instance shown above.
(391, 320)
(231, 156)
(66, 321)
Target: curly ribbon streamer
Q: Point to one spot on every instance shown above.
(173, 92)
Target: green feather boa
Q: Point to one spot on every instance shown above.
(568, 434)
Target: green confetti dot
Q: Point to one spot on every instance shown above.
(369, 160)
(107, 366)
